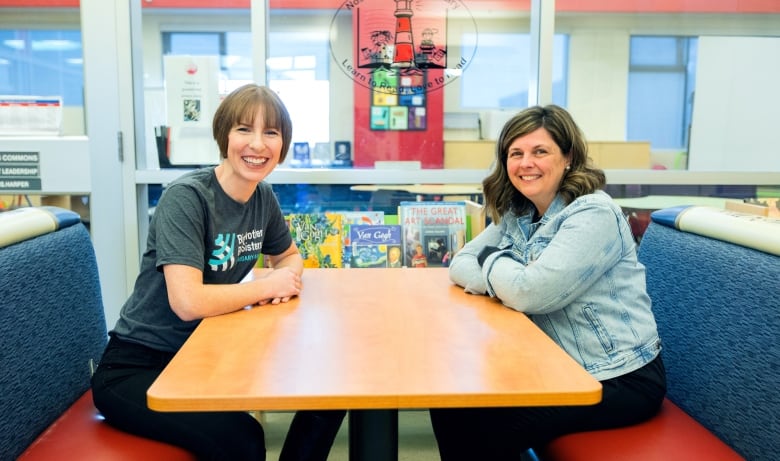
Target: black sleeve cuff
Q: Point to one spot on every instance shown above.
(487, 251)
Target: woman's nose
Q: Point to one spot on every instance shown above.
(256, 142)
(526, 161)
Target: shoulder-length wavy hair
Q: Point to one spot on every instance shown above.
(241, 106)
(582, 177)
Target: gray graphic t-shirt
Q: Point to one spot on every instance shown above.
(198, 225)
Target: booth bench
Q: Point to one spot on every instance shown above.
(714, 279)
(52, 333)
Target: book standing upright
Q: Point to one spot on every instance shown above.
(375, 246)
(432, 232)
(318, 237)
(350, 218)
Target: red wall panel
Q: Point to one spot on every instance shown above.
(425, 146)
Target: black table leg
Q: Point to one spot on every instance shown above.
(373, 435)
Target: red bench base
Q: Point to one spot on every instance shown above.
(672, 434)
(80, 433)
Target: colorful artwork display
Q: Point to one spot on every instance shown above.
(399, 43)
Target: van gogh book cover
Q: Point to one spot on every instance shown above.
(350, 218)
(375, 246)
(318, 237)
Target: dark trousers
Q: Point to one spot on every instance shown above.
(119, 391)
(501, 434)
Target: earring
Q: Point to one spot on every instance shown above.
(568, 167)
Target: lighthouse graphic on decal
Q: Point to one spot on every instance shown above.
(404, 40)
(412, 44)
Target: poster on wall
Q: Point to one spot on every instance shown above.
(398, 44)
(192, 97)
(30, 115)
(400, 63)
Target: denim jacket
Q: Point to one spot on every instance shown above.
(575, 274)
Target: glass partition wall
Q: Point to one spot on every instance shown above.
(425, 85)
(374, 85)
(407, 87)
(42, 108)
(379, 92)
(665, 82)
(389, 96)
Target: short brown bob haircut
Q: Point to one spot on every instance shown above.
(241, 106)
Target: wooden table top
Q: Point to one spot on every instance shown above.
(371, 339)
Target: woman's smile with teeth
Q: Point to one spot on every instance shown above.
(255, 161)
(529, 178)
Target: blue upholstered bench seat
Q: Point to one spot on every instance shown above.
(52, 331)
(714, 279)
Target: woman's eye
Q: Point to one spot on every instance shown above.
(242, 129)
(272, 132)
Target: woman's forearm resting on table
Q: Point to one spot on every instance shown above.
(191, 299)
(465, 269)
(563, 271)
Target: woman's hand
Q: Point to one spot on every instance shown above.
(285, 283)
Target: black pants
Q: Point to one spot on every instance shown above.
(501, 434)
(119, 391)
